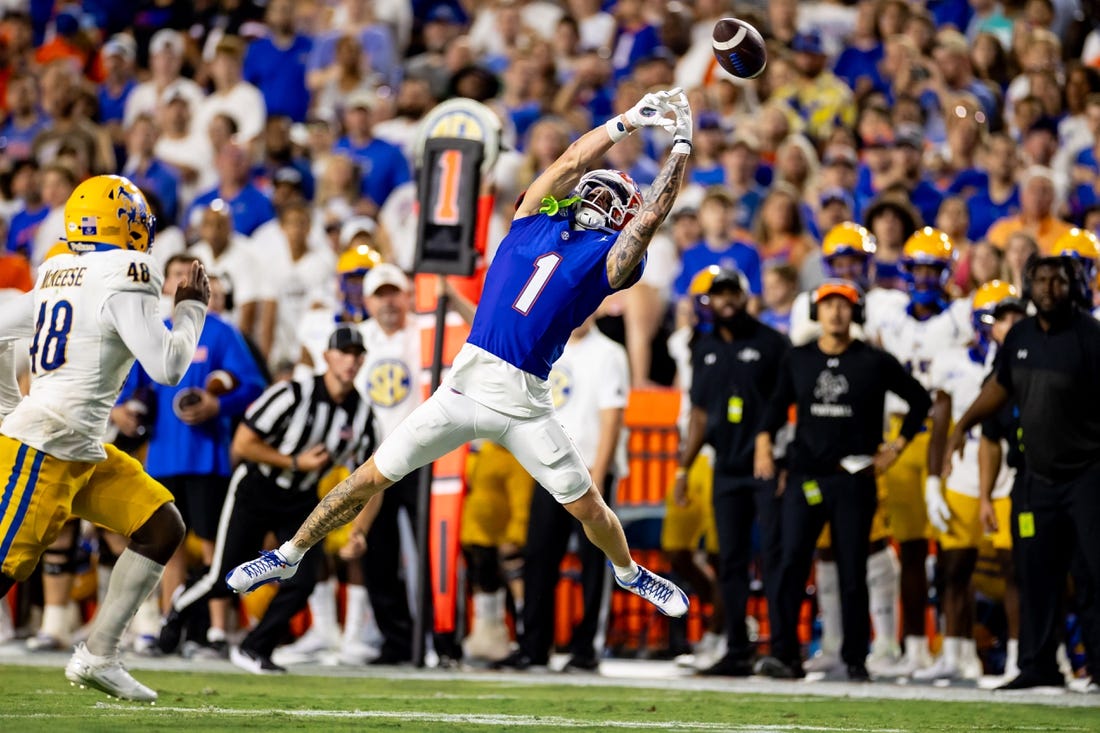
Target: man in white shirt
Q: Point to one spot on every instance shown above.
(232, 95)
(165, 61)
(250, 290)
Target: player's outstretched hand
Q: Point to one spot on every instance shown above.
(195, 287)
(652, 110)
(684, 126)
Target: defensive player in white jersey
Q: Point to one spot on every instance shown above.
(577, 236)
(953, 502)
(91, 314)
(928, 325)
(848, 253)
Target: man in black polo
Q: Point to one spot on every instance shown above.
(1049, 365)
(733, 373)
(838, 386)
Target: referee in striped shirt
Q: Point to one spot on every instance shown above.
(290, 437)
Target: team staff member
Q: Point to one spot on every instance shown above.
(733, 374)
(839, 386)
(1048, 365)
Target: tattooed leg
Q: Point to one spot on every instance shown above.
(341, 505)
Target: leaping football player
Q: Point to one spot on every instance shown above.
(577, 236)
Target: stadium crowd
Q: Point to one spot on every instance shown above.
(922, 150)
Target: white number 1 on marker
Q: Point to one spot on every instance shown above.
(544, 268)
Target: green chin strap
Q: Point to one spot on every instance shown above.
(551, 205)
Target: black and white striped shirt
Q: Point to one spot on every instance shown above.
(297, 415)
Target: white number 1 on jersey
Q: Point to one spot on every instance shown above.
(544, 268)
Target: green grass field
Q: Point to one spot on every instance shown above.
(40, 699)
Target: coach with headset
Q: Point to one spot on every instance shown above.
(1048, 364)
(733, 373)
(838, 386)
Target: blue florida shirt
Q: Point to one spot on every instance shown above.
(545, 280)
(176, 449)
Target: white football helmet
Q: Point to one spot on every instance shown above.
(609, 200)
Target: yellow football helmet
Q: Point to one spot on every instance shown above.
(1080, 243)
(928, 246)
(357, 261)
(848, 238)
(993, 294)
(108, 212)
(700, 283)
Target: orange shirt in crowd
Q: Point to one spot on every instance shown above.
(15, 273)
(1046, 233)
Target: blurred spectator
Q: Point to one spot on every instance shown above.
(585, 98)
(629, 155)
(1019, 248)
(382, 166)
(1000, 197)
(780, 234)
(24, 121)
(414, 99)
(146, 171)
(594, 25)
(987, 263)
(953, 219)
(58, 182)
(249, 206)
(276, 65)
(346, 76)
(796, 163)
(249, 289)
(707, 148)
(989, 18)
(740, 161)
(892, 220)
(446, 51)
(908, 159)
(834, 206)
(68, 45)
(70, 127)
(355, 17)
(782, 21)
(716, 247)
(1036, 215)
(956, 170)
(165, 62)
(989, 59)
(857, 64)
(780, 289)
(304, 277)
(635, 37)
(950, 75)
(816, 96)
(183, 147)
(119, 81)
(29, 209)
(233, 95)
(278, 155)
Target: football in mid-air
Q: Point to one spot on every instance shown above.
(739, 48)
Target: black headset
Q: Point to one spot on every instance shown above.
(1074, 270)
(858, 309)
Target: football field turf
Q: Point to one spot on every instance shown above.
(208, 697)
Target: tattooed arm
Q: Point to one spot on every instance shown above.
(631, 245)
(629, 249)
(562, 175)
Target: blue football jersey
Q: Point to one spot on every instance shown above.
(545, 280)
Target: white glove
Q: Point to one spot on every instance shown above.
(651, 109)
(939, 514)
(684, 126)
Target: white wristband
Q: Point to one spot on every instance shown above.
(616, 128)
(682, 146)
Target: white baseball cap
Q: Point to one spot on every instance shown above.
(164, 39)
(385, 274)
(356, 225)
